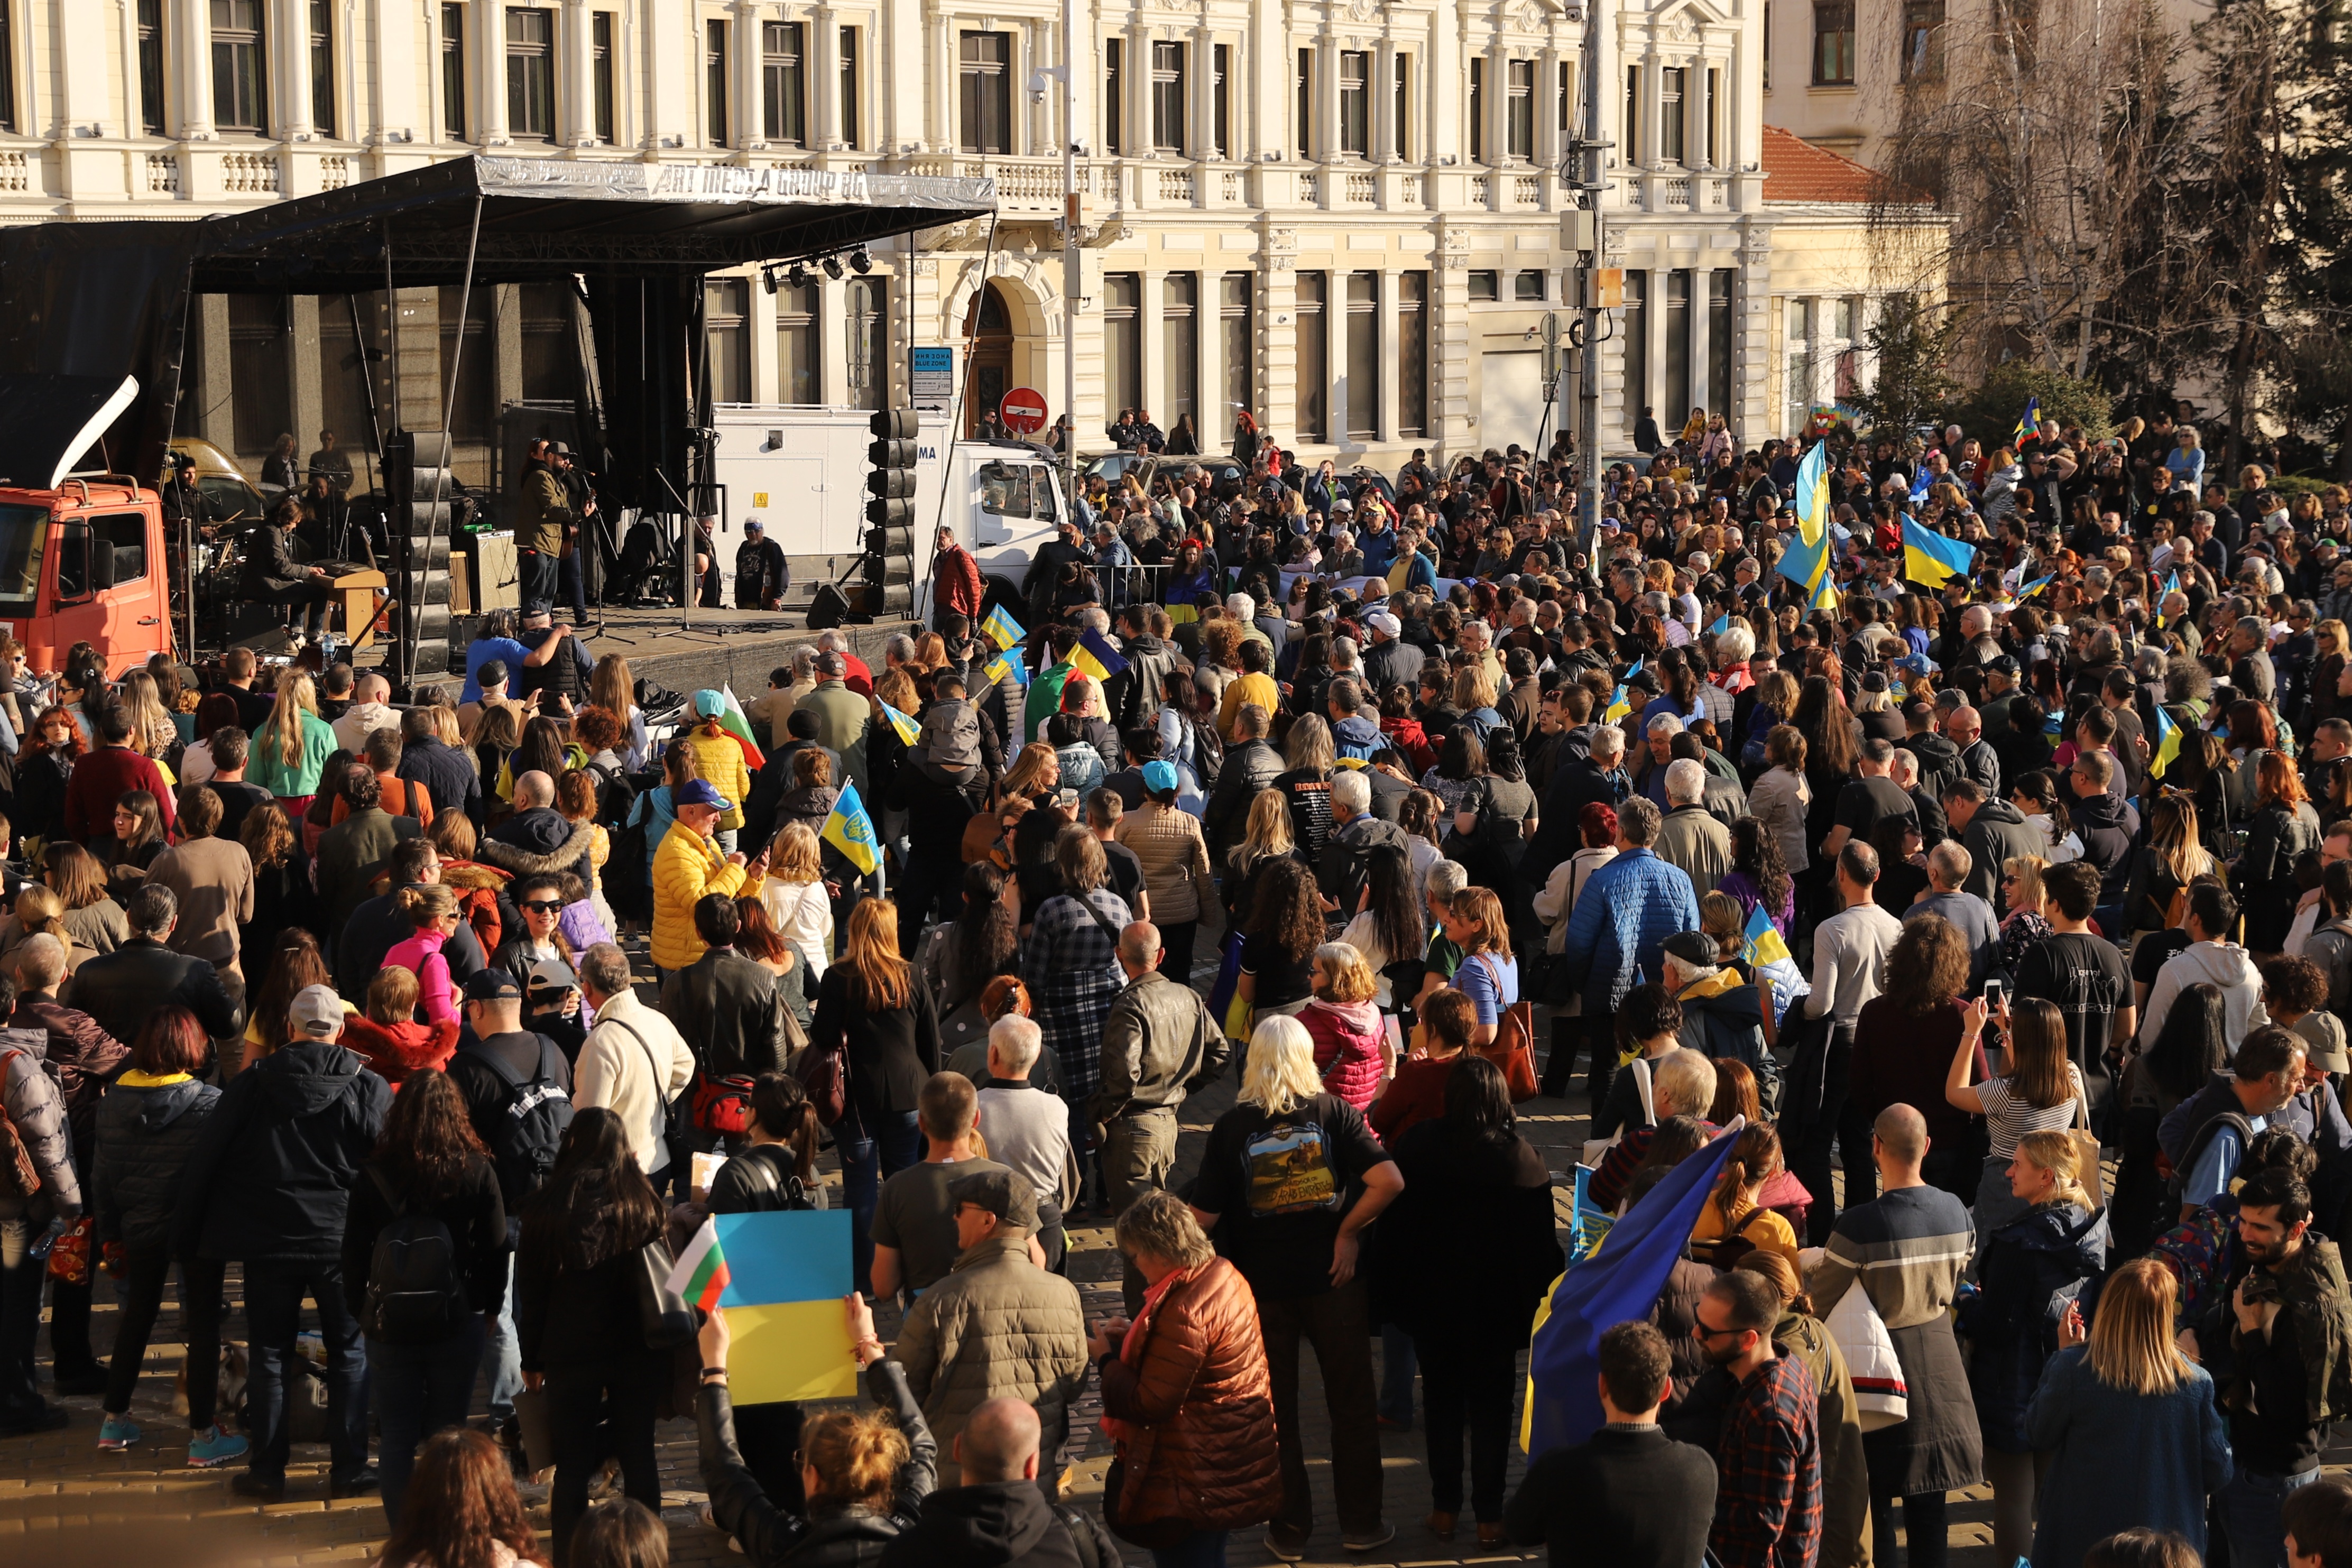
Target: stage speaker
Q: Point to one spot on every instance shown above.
(418, 496)
(828, 608)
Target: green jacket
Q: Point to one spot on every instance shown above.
(543, 512)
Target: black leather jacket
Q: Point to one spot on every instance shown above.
(830, 1536)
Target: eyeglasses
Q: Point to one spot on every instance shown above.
(1699, 1331)
(544, 906)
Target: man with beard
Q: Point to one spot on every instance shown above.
(1767, 1496)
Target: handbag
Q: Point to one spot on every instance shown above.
(723, 1105)
(1597, 1149)
(665, 1317)
(1513, 1048)
(2086, 1151)
(823, 1072)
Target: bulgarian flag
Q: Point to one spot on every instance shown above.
(701, 1273)
(738, 723)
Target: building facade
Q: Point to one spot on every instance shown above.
(1344, 216)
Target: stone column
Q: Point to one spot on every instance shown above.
(825, 131)
(488, 54)
(1698, 113)
(195, 74)
(576, 71)
(1385, 129)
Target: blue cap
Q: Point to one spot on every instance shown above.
(698, 791)
(1159, 775)
(709, 704)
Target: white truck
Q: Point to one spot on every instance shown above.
(802, 472)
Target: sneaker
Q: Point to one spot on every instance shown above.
(359, 1483)
(214, 1447)
(261, 1489)
(1380, 1534)
(1288, 1554)
(118, 1433)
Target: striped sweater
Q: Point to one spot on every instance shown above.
(1908, 1248)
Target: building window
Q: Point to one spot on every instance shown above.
(869, 342)
(1314, 411)
(985, 77)
(714, 83)
(800, 367)
(322, 66)
(1363, 355)
(783, 83)
(1636, 329)
(1678, 344)
(531, 73)
(727, 335)
(1114, 97)
(1923, 39)
(1180, 344)
(239, 80)
(600, 68)
(1718, 342)
(1482, 286)
(1306, 106)
(1833, 43)
(1714, 118)
(1401, 122)
(1629, 142)
(1566, 102)
(1477, 111)
(1798, 355)
(1356, 103)
(1528, 285)
(1767, 45)
(849, 86)
(1670, 113)
(1168, 96)
(1519, 109)
(1412, 354)
(453, 69)
(1122, 318)
(1220, 100)
(1237, 340)
(150, 67)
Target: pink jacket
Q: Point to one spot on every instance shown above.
(420, 954)
(1347, 1048)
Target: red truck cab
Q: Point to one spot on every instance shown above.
(85, 563)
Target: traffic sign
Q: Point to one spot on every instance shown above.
(1022, 411)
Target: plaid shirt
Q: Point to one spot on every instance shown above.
(1070, 965)
(1768, 1505)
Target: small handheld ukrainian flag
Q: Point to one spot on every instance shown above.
(1722, 625)
(1095, 656)
(1619, 704)
(851, 831)
(1767, 952)
(906, 726)
(2035, 586)
(2171, 586)
(1930, 558)
(2028, 423)
(1009, 663)
(2168, 745)
(1002, 629)
(1813, 494)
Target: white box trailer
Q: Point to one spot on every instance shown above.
(802, 472)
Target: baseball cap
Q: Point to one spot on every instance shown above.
(2322, 1046)
(1158, 775)
(553, 975)
(709, 704)
(492, 673)
(698, 791)
(1002, 1193)
(316, 1013)
(1691, 947)
(491, 984)
(1385, 624)
(558, 450)
(2002, 664)
(1343, 504)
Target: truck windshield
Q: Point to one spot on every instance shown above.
(1010, 490)
(24, 535)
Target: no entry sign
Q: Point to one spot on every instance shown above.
(1022, 411)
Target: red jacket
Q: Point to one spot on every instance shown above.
(959, 586)
(104, 776)
(1347, 1048)
(397, 1050)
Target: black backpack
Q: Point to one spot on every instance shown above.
(413, 1294)
(528, 1129)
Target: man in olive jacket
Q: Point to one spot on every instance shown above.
(542, 518)
(998, 1326)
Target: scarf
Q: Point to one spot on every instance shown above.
(1130, 1348)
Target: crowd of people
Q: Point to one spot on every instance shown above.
(1950, 849)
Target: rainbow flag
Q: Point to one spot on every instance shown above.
(1001, 628)
(2028, 423)
(738, 723)
(783, 1301)
(1095, 656)
(905, 726)
(701, 1273)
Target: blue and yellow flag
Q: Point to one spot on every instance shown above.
(1930, 558)
(1722, 625)
(2171, 586)
(2035, 586)
(1768, 954)
(1012, 664)
(2168, 745)
(2028, 423)
(1001, 628)
(1619, 704)
(1813, 494)
(851, 831)
(1094, 656)
(905, 726)
(1806, 563)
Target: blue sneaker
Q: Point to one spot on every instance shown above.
(118, 1433)
(212, 1447)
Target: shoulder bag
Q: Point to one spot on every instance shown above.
(823, 1072)
(1513, 1048)
(2087, 1146)
(667, 1319)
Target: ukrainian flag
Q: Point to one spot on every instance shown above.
(1095, 656)
(2035, 586)
(1813, 494)
(1824, 597)
(2171, 586)
(908, 729)
(2028, 423)
(1806, 563)
(851, 831)
(1932, 560)
(1009, 663)
(2168, 745)
(1618, 706)
(1761, 942)
(1001, 628)
(1768, 955)
(1722, 625)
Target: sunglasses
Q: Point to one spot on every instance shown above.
(545, 906)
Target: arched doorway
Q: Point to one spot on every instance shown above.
(988, 324)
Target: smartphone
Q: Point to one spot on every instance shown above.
(1992, 989)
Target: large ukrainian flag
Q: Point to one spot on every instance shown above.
(1932, 560)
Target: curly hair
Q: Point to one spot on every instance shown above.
(1287, 909)
(1929, 965)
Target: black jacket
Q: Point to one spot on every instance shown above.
(1392, 663)
(448, 774)
(474, 1215)
(834, 1537)
(1249, 767)
(540, 842)
(119, 989)
(570, 1313)
(146, 1134)
(2106, 826)
(730, 1012)
(1632, 1499)
(1995, 834)
(272, 1174)
(376, 928)
(1001, 1524)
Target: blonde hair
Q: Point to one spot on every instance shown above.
(1164, 1226)
(1267, 835)
(150, 722)
(1494, 929)
(870, 950)
(1351, 976)
(2027, 869)
(424, 903)
(40, 910)
(856, 1455)
(1280, 1076)
(794, 855)
(283, 729)
(1718, 917)
(1472, 689)
(2131, 1346)
(2055, 1152)
(392, 996)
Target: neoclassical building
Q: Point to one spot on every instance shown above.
(1343, 214)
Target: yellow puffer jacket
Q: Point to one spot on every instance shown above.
(719, 759)
(686, 867)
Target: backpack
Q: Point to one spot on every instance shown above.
(528, 1129)
(413, 1294)
(616, 795)
(628, 868)
(951, 736)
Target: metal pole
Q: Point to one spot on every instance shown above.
(1596, 187)
(441, 479)
(1071, 266)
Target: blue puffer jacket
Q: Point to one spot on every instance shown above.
(147, 1129)
(1617, 936)
(2032, 1268)
(1356, 737)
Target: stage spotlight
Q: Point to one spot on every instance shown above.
(797, 277)
(768, 278)
(832, 265)
(860, 262)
